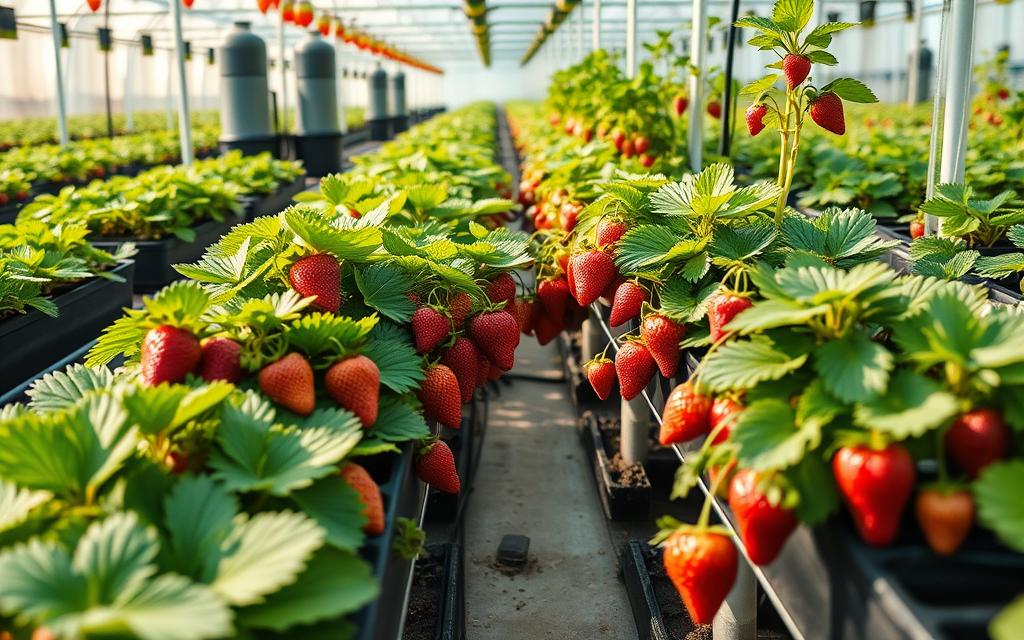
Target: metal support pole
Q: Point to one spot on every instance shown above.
(62, 116)
(594, 340)
(580, 53)
(129, 107)
(729, 106)
(595, 26)
(914, 72)
(630, 38)
(737, 617)
(957, 54)
(184, 117)
(698, 49)
(635, 414)
(284, 76)
(958, 92)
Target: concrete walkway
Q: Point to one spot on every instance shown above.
(534, 480)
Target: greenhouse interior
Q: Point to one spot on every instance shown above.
(739, 282)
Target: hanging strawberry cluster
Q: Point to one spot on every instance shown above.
(783, 34)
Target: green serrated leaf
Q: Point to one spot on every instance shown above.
(911, 406)
(997, 493)
(854, 368)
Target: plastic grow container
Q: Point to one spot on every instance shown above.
(444, 561)
(154, 260)
(33, 342)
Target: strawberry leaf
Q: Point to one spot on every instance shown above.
(912, 406)
(328, 334)
(397, 421)
(854, 368)
(334, 583)
(792, 15)
(401, 368)
(17, 504)
(60, 390)
(769, 438)
(347, 244)
(757, 87)
(383, 287)
(199, 515)
(850, 90)
(337, 508)
(817, 498)
(744, 364)
(997, 492)
(1009, 623)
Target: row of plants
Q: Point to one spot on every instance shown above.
(826, 382)
(223, 481)
(164, 201)
(38, 260)
(39, 168)
(18, 132)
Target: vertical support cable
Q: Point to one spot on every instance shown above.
(630, 38)
(106, 72)
(698, 49)
(914, 72)
(184, 117)
(729, 117)
(62, 116)
(595, 27)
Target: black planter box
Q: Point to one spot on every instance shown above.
(443, 508)
(650, 625)
(9, 212)
(274, 203)
(153, 261)
(33, 342)
(621, 502)
(404, 497)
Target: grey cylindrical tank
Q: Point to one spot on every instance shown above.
(317, 134)
(245, 121)
(378, 118)
(399, 112)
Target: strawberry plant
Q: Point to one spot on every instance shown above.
(783, 34)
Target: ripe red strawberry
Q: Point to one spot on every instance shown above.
(318, 275)
(359, 479)
(494, 373)
(977, 439)
(601, 373)
(496, 334)
(1003, 93)
(592, 272)
(441, 397)
(634, 367)
(221, 360)
(459, 308)
(501, 289)
(168, 355)
(354, 383)
(628, 148)
(687, 415)
(755, 118)
(723, 306)
(702, 565)
(641, 144)
(662, 336)
(916, 229)
(435, 465)
(176, 462)
(608, 295)
(629, 298)
(289, 383)
(569, 213)
(483, 369)
(715, 109)
(547, 328)
(646, 160)
(679, 104)
(796, 69)
(946, 516)
(763, 527)
(463, 358)
(723, 410)
(525, 311)
(618, 139)
(827, 113)
(875, 485)
(430, 327)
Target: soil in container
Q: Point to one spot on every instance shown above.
(425, 599)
